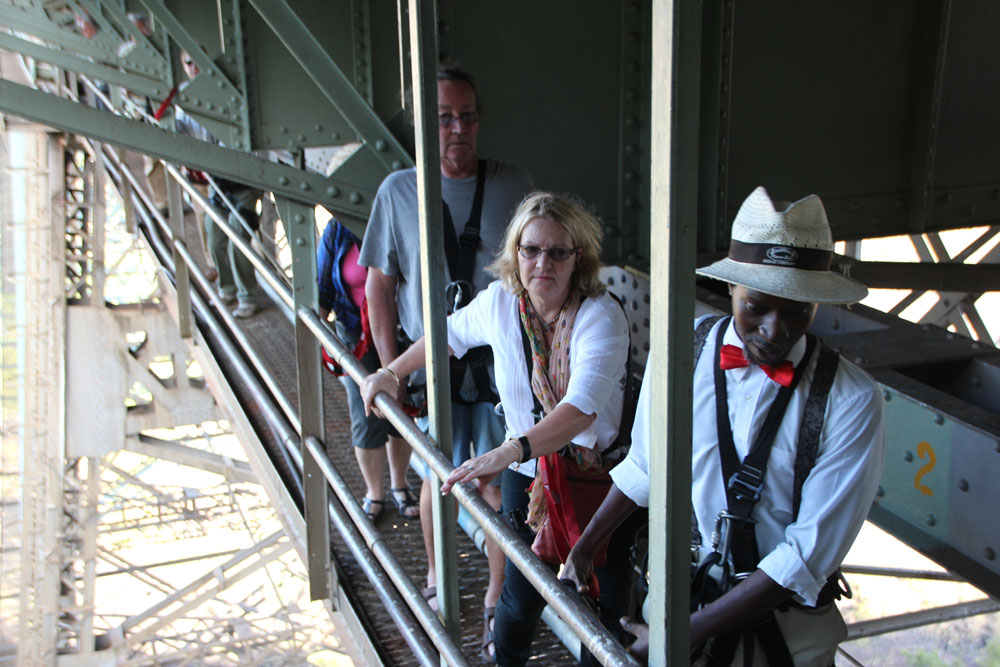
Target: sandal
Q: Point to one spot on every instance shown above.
(368, 506)
(484, 649)
(430, 593)
(408, 505)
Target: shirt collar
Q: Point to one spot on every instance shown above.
(732, 338)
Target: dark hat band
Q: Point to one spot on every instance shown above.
(769, 254)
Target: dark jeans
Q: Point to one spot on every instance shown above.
(520, 606)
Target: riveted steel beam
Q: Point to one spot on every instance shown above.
(716, 94)
(185, 41)
(300, 222)
(136, 83)
(350, 202)
(633, 109)
(212, 98)
(927, 110)
(333, 83)
(146, 52)
(945, 277)
(361, 30)
(233, 62)
(38, 24)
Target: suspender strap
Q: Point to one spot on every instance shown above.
(812, 421)
(700, 335)
(461, 252)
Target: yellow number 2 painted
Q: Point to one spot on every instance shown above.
(924, 451)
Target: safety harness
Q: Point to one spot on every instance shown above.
(734, 540)
(460, 253)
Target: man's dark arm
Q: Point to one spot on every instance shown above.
(757, 594)
(612, 513)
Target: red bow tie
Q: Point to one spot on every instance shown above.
(732, 357)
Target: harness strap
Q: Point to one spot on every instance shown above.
(460, 253)
(743, 482)
(700, 335)
(812, 421)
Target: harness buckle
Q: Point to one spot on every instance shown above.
(747, 483)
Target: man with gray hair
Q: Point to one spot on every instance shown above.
(479, 197)
(787, 451)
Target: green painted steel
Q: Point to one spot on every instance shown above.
(346, 199)
(301, 225)
(333, 83)
(938, 490)
(139, 84)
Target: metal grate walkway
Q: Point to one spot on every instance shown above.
(272, 336)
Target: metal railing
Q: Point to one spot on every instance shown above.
(366, 543)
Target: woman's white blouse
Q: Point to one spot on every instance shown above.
(598, 350)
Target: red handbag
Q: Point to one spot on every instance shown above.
(572, 497)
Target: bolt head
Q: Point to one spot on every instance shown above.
(333, 191)
(355, 198)
(300, 242)
(283, 180)
(303, 186)
(298, 218)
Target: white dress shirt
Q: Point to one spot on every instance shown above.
(836, 496)
(597, 352)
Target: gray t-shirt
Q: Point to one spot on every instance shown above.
(392, 238)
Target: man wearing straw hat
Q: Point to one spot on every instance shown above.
(787, 451)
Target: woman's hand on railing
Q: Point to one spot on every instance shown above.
(483, 468)
(381, 380)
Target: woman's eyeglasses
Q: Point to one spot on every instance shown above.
(466, 117)
(555, 253)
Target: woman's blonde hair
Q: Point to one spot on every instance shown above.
(583, 227)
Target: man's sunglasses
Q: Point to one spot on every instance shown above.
(555, 253)
(467, 118)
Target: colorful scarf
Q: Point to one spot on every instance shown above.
(549, 381)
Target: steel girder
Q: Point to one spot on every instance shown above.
(294, 183)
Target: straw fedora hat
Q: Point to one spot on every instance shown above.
(784, 250)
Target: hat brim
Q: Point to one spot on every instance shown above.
(788, 283)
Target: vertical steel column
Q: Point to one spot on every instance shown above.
(299, 220)
(91, 489)
(675, 87)
(97, 218)
(181, 273)
(423, 64)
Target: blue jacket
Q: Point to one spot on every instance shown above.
(333, 293)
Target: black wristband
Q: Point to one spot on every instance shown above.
(523, 439)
